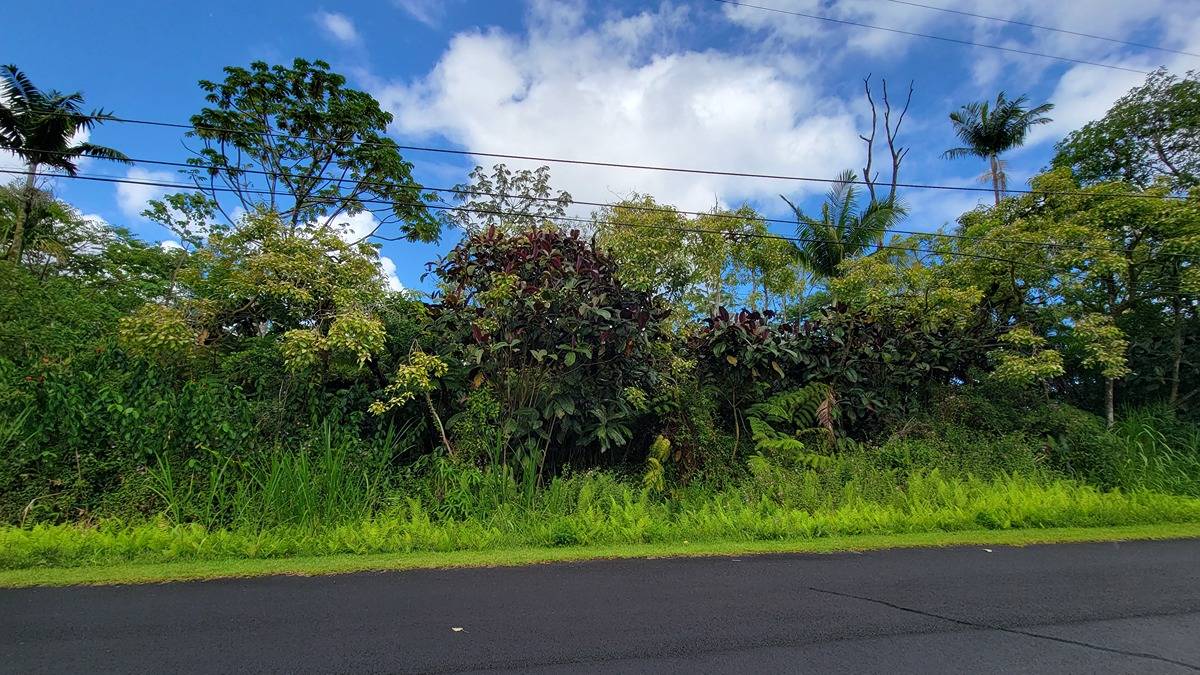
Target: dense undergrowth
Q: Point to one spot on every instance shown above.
(649, 375)
(926, 477)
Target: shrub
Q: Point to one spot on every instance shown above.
(541, 320)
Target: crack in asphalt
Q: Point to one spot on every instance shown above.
(1003, 629)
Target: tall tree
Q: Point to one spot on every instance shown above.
(988, 129)
(1152, 131)
(843, 230)
(41, 128)
(315, 147)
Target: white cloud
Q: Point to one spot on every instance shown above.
(617, 93)
(428, 12)
(356, 227)
(170, 245)
(133, 197)
(388, 267)
(1085, 93)
(338, 27)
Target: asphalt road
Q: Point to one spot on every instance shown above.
(1130, 607)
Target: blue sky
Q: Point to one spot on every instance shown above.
(693, 83)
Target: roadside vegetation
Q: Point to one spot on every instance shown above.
(646, 375)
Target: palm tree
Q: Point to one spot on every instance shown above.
(843, 231)
(987, 130)
(40, 127)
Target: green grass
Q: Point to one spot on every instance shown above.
(346, 563)
(599, 513)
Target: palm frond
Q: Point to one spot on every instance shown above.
(17, 85)
(958, 153)
(100, 152)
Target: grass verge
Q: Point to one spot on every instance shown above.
(342, 564)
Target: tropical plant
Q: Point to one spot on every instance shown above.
(843, 230)
(795, 427)
(987, 130)
(542, 319)
(43, 129)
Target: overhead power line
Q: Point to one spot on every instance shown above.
(1041, 27)
(609, 165)
(626, 206)
(586, 221)
(943, 38)
(601, 221)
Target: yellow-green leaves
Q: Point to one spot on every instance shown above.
(417, 376)
(156, 333)
(357, 335)
(302, 349)
(1025, 359)
(906, 287)
(1104, 345)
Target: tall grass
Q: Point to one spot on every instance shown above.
(339, 494)
(333, 479)
(1159, 451)
(600, 508)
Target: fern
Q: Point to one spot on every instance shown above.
(655, 478)
(794, 429)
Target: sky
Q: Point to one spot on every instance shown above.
(691, 83)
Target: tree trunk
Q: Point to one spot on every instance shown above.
(995, 164)
(18, 243)
(1108, 400)
(1177, 356)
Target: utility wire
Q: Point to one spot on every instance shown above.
(613, 165)
(1041, 27)
(631, 207)
(496, 212)
(943, 38)
(588, 221)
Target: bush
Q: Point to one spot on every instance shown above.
(541, 320)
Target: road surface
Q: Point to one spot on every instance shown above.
(1129, 607)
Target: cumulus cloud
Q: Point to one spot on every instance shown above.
(337, 27)
(619, 92)
(133, 197)
(388, 267)
(356, 227)
(1083, 94)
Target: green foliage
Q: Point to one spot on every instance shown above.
(597, 509)
(301, 121)
(416, 376)
(155, 332)
(793, 428)
(1024, 359)
(655, 477)
(260, 392)
(1151, 132)
(510, 201)
(843, 230)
